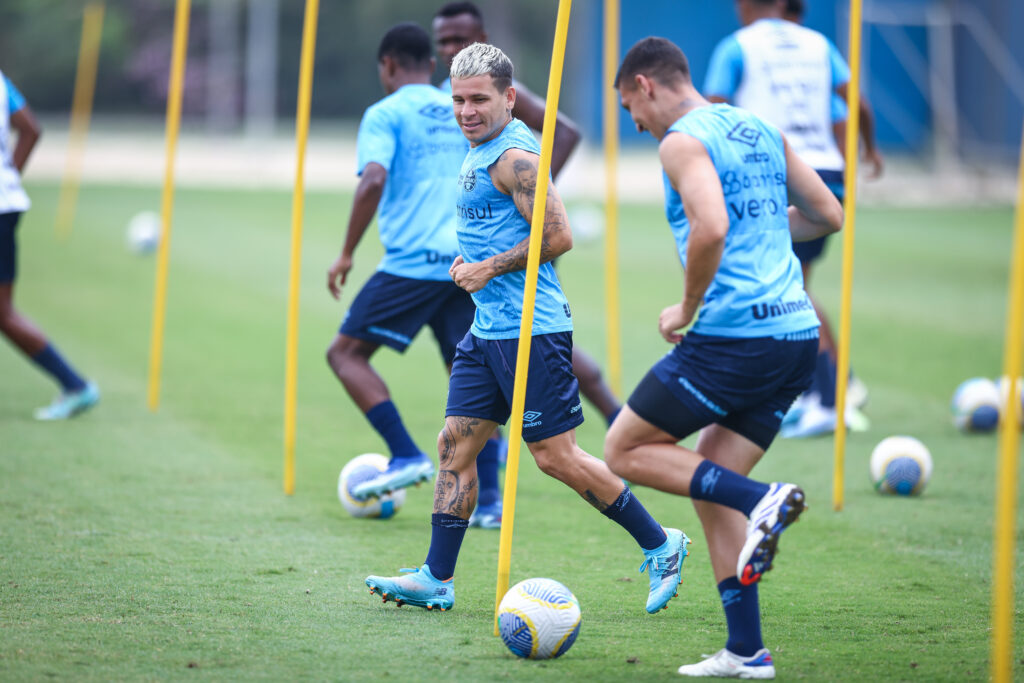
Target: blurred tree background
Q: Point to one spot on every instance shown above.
(39, 41)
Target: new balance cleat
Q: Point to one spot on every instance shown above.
(725, 664)
(418, 588)
(69, 404)
(779, 508)
(487, 516)
(401, 472)
(665, 566)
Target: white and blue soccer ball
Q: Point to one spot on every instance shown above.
(539, 619)
(901, 465)
(975, 405)
(359, 469)
(143, 235)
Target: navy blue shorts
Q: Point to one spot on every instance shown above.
(745, 385)
(390, 310)
(812, 250)
(484, 374)
(8, 247)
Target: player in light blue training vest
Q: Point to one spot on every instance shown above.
(751, 351)
(409, 153)
(77, 394)
(494, 207)
(795, 79)
(457, 25)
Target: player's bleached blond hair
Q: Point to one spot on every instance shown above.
(481, 59)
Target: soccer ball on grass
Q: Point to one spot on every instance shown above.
(539, 619)
(901, 465)
(975, 405)
(143, 234)
(359, 469)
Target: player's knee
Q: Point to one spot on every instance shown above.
(548, 461)
(338, 355)
(616, 452)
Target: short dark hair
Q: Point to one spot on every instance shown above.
(454, 9)
(795, 8)
(657, 58)
(408, 44)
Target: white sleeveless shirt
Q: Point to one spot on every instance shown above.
(12, 195)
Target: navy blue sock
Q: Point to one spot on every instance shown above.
(385, 419)
(630, 513)
(725, 487)
(742, 616)
(487, 473)
(611, 418)
(446, 534)
(824, 379)
(50, 360)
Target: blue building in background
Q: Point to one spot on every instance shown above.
(945, 77)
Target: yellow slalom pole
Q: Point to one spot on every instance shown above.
(1006, 477)
(81, 108)
(849, 225)
(178, 53)
(515, 431)
(291, 363)
(611, 193)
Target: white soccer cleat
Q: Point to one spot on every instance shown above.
(724, 664)
(779, 508)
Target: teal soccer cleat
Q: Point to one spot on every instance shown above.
(401, 472)
(665, 565)
(486, 516)
(418, 588)
(69, 404)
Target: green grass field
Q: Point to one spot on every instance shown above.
(160, 546)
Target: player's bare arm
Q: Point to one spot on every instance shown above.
(814, 211)
(24, 121)
(364, 206)
(694, 177)
(515, 174)
(867, 134)
(529, 109)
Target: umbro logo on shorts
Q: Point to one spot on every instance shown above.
(531, 415)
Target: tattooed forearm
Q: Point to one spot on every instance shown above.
(451, 496)
(595, 501)
(524, 190)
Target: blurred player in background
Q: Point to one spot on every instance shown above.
(497, 187)
(751, 350)
(409, 154)
(77, 394)
(795, 78)
(455, 26)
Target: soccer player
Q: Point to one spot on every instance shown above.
(751, 350)
(495, 205)
(77, 393)
(409, 154)
(792, 77)
(457, 25)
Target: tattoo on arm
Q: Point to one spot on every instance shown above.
(524, 191)
(595, 501)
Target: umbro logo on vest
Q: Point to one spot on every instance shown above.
(745, 134)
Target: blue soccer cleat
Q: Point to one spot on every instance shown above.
(487, 516)
(665, 566)
(418, 587)
(401, 472)
(69, 404)
(779, 508)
